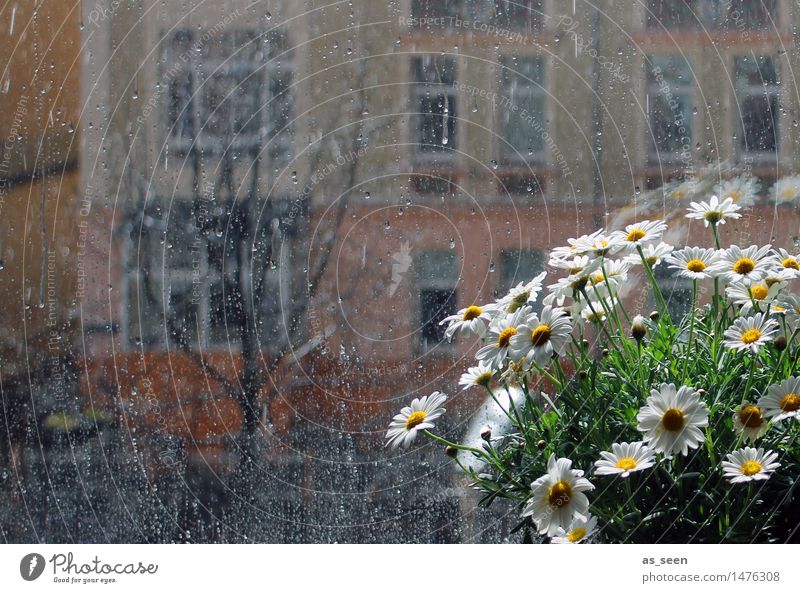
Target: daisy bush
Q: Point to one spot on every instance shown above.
(625, 425)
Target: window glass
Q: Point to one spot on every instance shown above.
(523, 86)
(757, 98)
(670, 104)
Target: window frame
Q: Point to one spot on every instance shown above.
(506, 155)
(445, 154)
(443, 282)
(686, 89)
(770, 92)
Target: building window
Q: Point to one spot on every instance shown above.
(728, 15)
(672, 14)
(757, 106)
(436, 275)
(741, 15)
(669, 109)
(519, 265)
(525, 124)
(183, 277)
(228, 92)
(437, 13)
(519, 15)
(434, 101)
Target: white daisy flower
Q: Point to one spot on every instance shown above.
(782, 400)
(558, 496)
(741, 190)
(522, 294)
(480, 376)
(788, 262)
(640, 233)
(579, 264)
(747, 464)
(672, 420)
(750, 333)
(786, 189)
(789, 304)
(696, 263)
(714, 211)
(614, 273)
(681, 191)
(653, 254)
(749, 421)
(411, 419)
(471, 318)
(750, 264)
(778, 276)
(540, 337)
(625, 458)
(594, 311)
(566, 287)
(580, 529)
(498, 339)
(598, 244)
(745, 294)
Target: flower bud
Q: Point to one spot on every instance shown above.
(486, 433)
(541, 444)
(701, 392)
(780, 343)
(654, 315)
(638, 328)
(450, 451)
(604, 352)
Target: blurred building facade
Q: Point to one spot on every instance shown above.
(280, 200)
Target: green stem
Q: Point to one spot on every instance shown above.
(691, 330)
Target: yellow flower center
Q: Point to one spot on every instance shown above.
(559, 495)
(751, 335)
(483, 379)
(636, 235)
(751, 467)
(788, 193)
(673, 420)
(598, 278)
(713, 216)
(576, 535)
(518, 301)
(759, 291)
(472, 312)
(734, 195)
(579, 283)
(504, 339)
(695, 265)
(750, 416)
(744, 265)
(791, 263)
(415, 419)
(626, 463)
(540, 335)
(790, 402)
